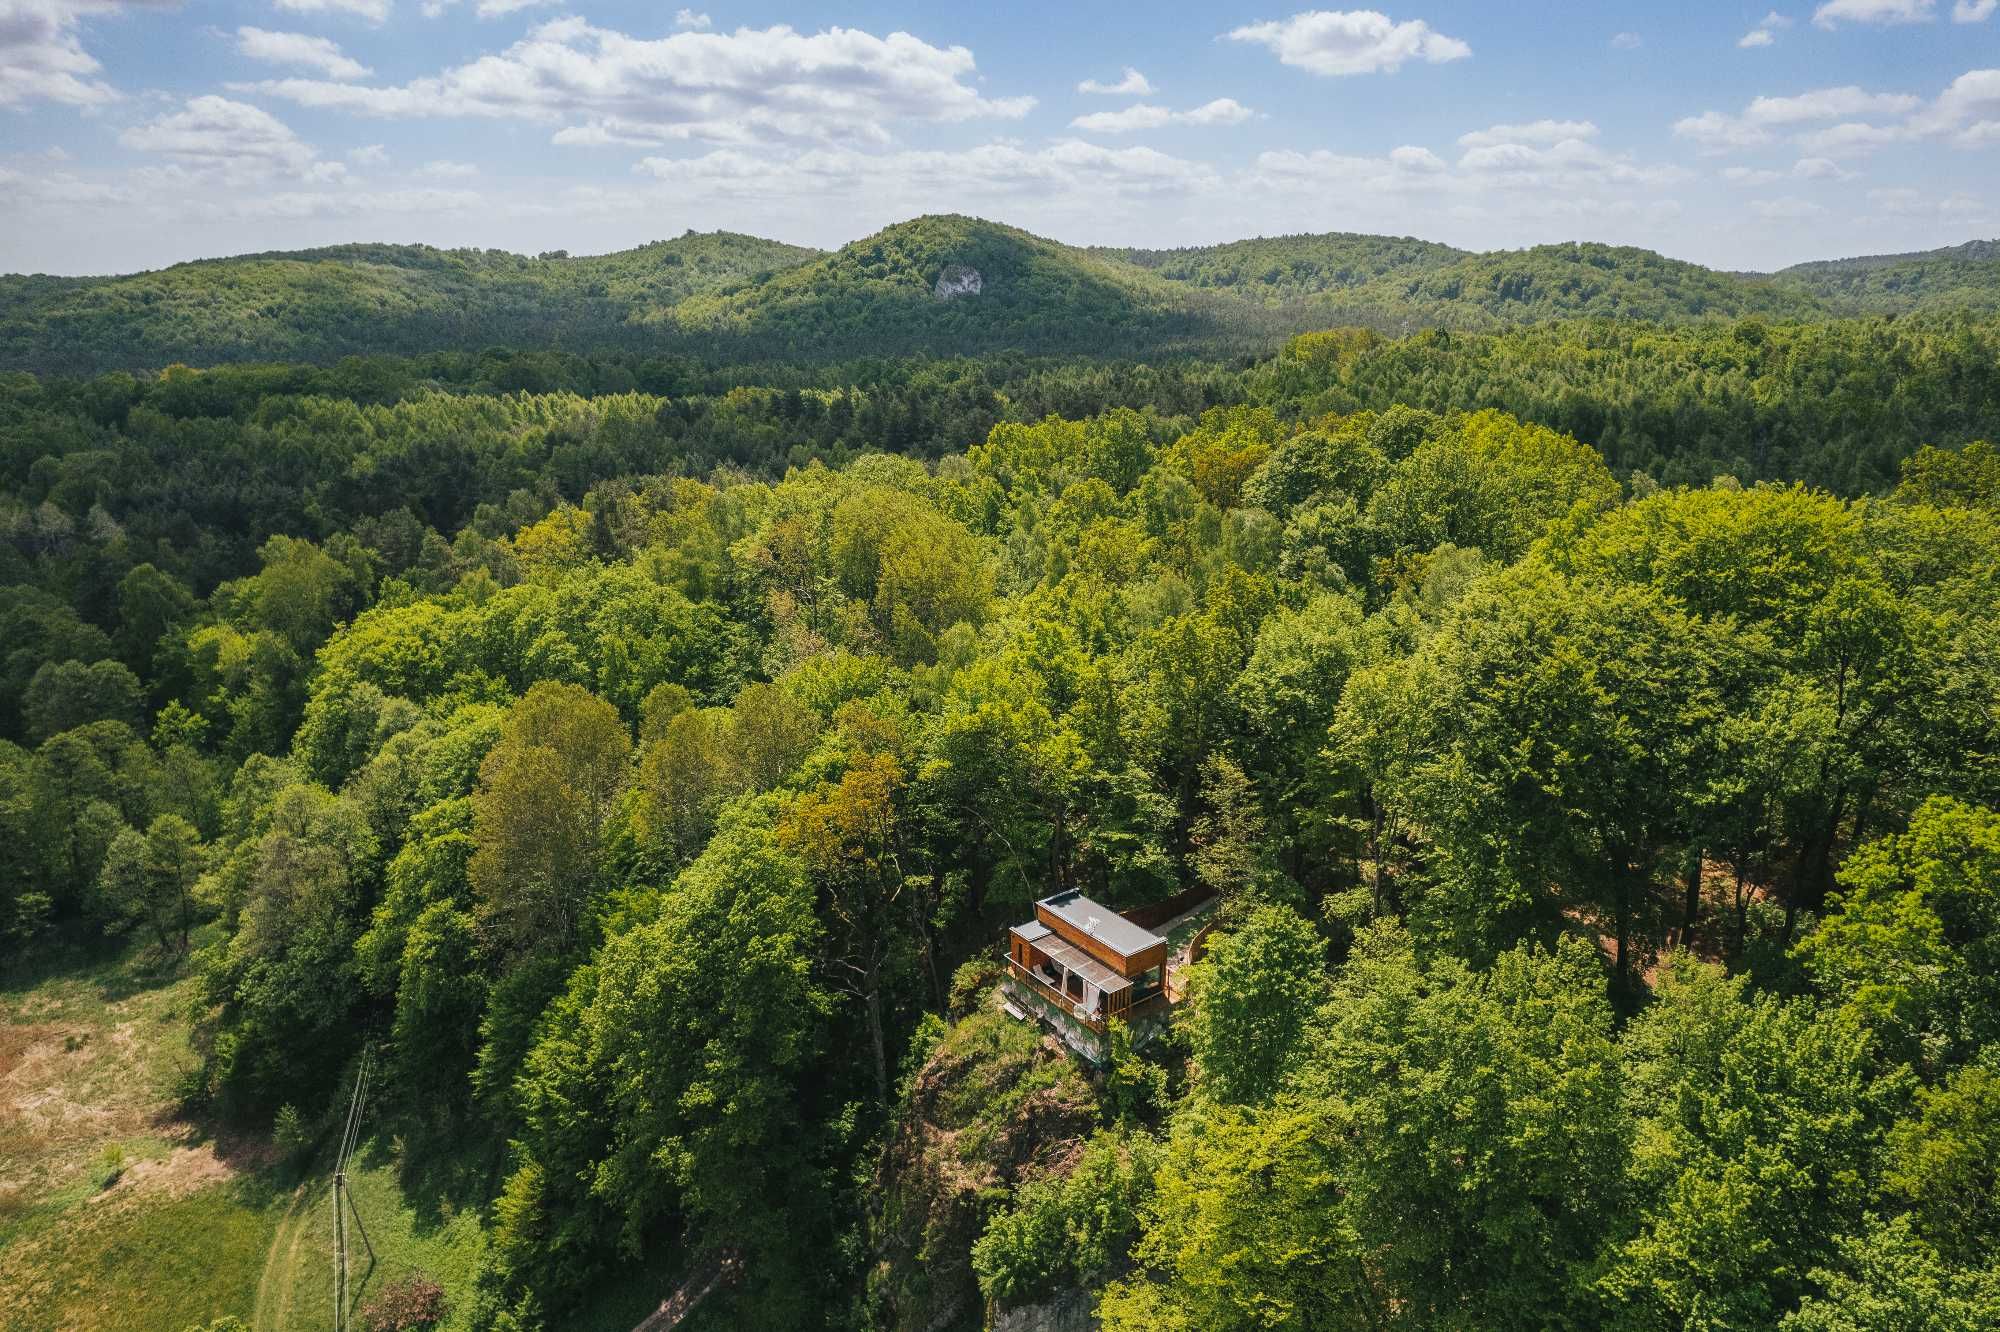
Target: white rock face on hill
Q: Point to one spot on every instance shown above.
(957, 280)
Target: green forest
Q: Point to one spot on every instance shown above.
(726, 299)
(626, 707)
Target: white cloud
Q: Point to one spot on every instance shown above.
(1905, 202)
(1410, 158)
(1806, 168)
(993, 173)
(1835, 12)
(1787, 209)
(1539, 131)
(233, 140)
(296, 48)
(41, 53)
(489, 9)
(1133, 84)
(1820, 168)
(61, 190)
(689, 21)
(1625, 41)
(1973, 11)
(301, 205)
(1766, 30)
(1851, 138)
(373, 11)
(1966, 113)
(1828, 104)
(1560, 164)
(601, 86)
(1963, 109)
(448, 170)
(1715, 132)
(1405, 171)
(372, 154)
(1354, 41)
(1141, 116)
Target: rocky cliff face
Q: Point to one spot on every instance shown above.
(992, 1106)
(958, 280)
(1068, 1312)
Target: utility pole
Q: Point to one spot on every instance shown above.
(343, 1197)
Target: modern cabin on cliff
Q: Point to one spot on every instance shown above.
(1088, 962)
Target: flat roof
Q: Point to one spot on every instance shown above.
(1032, 931)
(1083, 964)
(1101, 923)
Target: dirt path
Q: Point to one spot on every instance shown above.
(273, 1310)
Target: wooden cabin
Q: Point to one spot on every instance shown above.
(1089, 960)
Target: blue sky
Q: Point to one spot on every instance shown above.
(135, 133)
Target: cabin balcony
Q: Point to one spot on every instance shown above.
(1049, 992)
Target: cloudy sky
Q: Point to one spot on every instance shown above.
(135, 133)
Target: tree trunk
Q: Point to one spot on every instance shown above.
(872, 1003)
(1691, 906)
(1375, 820)
(1742, 910)
(1624, 936)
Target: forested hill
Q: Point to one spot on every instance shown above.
(1957, 277)
(1278, 269)
(880, 295)
(1403, 284)
(724, 298)
(341, 300)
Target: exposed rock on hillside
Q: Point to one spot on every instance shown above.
(994, 1105)
(958, 280)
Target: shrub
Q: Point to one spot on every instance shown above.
(408, 1305)
(292, 1134)
(110, 1166)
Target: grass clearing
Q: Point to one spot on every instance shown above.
(93, 1036)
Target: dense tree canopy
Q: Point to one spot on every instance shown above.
(1589, 743)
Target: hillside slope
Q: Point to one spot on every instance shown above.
(1965, 277)
(878, 295)
(321, 304)
(724, 298)
(1278, 269)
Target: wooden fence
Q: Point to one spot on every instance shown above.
(1155, 914)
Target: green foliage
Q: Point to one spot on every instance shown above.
(1912, 939)
(545, 790)
(1071, 1229)
(1244, 1230)
(1484, 1142)
(366, 299)
(1755, 1127)
(110, 1166)
(1249, 1002)
(663, 1083)
(1944, 1162)
(732, 297)
(1956, 277)
(661, 829)
(148, 879)
(291, 1134)
(1888, 1280)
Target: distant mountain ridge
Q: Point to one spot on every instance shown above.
(724, 296)
(1963, 277)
